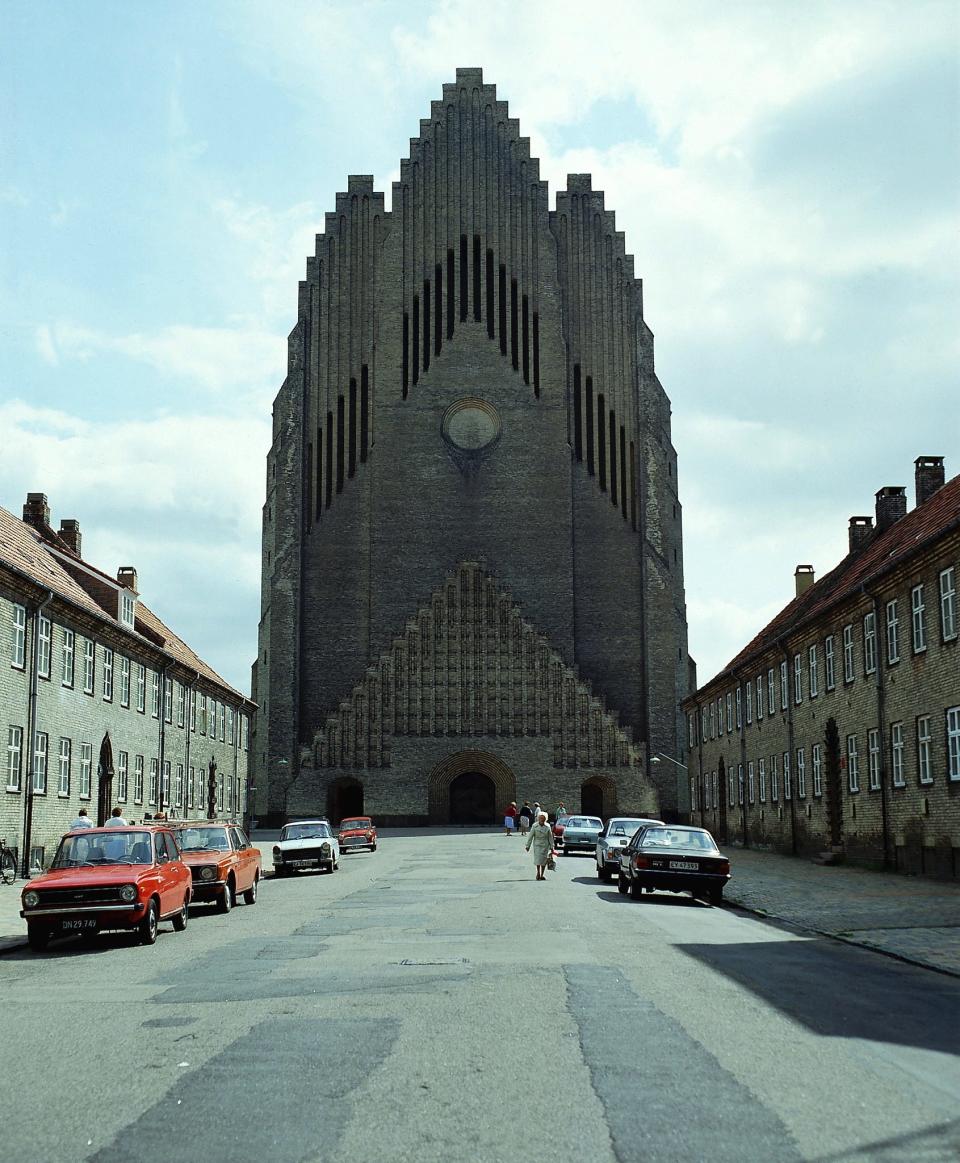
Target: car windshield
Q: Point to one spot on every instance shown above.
(203, 839)
(586, 822)
(88, 849)
(625, 828)
(357, 822)
(305, 831)
(691, 840)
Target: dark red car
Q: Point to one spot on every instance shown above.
(223, 862)
(109, 878)
(357, 832)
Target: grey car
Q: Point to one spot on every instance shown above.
(580, 833)
(612, 841)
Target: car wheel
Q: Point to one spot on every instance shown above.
(636, 890)
(715, 896)
(180, 920)
(38, 937)
(622, 886)
(147, 929)
(250, 896)
(334, 865)
(279, 871)
(373, 847)
(225, 900)
(604, 872)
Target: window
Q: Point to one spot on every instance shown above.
(123, 761)
(245, 732)
(89, 663)
(953, 743)
(191, 783)
(751, 783)
(848, 653)
(787, 790)
(853, 771)
(740, 783)
(86, 769)
(924, 768)
(193, 710)
(870, 643)
(138, 779)
(828, 662)
(220, 802)
(167, 700)
(918, 620)
(703, 724)
(40, 748)
(731, 791)
(232, 739)
(124, 682)
(203, 717)
(873, 758)
(141, 688)
(762, 773)
(107, 674)
(896, 753)
(893, 633)
(948, 604)
(813, 680)
(817, 769)
(774, 780)
(154, 780)
(44, 634)
(18, 642)
(759, 697)
(178, 801)
(739, 711)
(68, 658)
(719, 715)
(165, 790)
(797, 678)
(801, 773)
(63, 785)
(716, 791)
(14, 758)
(729, 712)
(748, 699)
(221, 720)
(691, 730)
(213, 720)
(784, 696)
(155, 694)
(127, 608)
(693, 794)
(771, 694)
(181, 704)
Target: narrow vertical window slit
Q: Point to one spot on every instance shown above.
(364, 413)
(340, 449)
(514, 326)
(438, 310)
(502, 314)
(463, 278)
(415, 344)
(490, 298)
(577, 414)
(352, 439)
(476, 278)
(601, 442)
(525, 337)
(589, 412)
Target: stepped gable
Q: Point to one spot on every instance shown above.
(469, 665)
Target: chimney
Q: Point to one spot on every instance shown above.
(70, 533)
(127, 577)
(804, 578)
(861, 530)
(928, 476)
(36, 511)
(891, 505)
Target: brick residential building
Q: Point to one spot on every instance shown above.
(837, 729)
(472, 552)
(100, 703)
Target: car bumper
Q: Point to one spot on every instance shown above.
(587, 844)
(695, 882)
(298, 865)
(67, 920)
(207, 890)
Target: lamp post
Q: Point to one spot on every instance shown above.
(659, 757)
(212, 789)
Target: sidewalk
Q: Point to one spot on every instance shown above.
(905, 917)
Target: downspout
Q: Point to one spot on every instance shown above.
(791, 750)
(881, 716)
(162, 735)
(31, 737)
(189, 733)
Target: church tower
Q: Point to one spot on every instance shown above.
(472, 561)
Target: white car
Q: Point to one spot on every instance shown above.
(306, 844)
(612, 841)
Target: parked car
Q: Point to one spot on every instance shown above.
(578, 833)
(109, 878)
(222, 862)
(306, 844)
(613, 839)
(675, 859)
(357, 832)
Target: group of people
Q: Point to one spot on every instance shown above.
(116, 819)
(533, 822)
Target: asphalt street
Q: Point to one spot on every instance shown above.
(432, 1001)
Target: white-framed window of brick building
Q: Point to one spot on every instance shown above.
(948, 604)
(107, 674)
(167, 700)
(759, 696)
(166, 784)
(774, 780)
(181, 704)
(123, 776)
(138, 779)
(731, 787)
(853, 764)
(44, 643)
(893, 632)
(798, 678)
(86, 769)
(787, 786)
(771, 693)
(14, 758)
(740, 784)
(848, 671)
(128, 609)
(193, 710)
(829, 663)
(141, 688)
(222, 722)
(191, 776)
(739, 710)
(213, 720)
(813, 676)
(953, 743)
(155, 694)
(178, 789)
(18, 637)
(691, 737)
(801, 758)
(729, 713)
(719, 717)
(68, 658)
(918, 620)
(124, 681)
(751, 783)
(704, 730)
(924, 759)
(748, 700)
(220, 800)
(817, 764)
(869, 643)
(41, 747)
(203, 716)
(693, 794)
(762, 779)
(896, 754)
(63, 781)
(231, 731)
(873, 758)
(154, 781)
(89, 665)
(245, 732)
(784, 688)
(715, 779)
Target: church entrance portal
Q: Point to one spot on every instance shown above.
(473, 799)
(470, 787)
(344, 799)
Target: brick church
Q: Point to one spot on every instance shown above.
(472, 553)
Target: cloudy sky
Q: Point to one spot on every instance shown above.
(786, 172)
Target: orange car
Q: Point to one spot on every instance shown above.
(222, 861)
(357, 832)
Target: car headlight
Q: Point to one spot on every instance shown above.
(128, 892)
(31, 899)
(208, 873)
(325, 846)
(277, 853)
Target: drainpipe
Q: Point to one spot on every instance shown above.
(31, 737)
(192, 694)
(881, 716)
(792, 752)
(162, 736)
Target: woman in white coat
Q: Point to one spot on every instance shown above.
(541, 839)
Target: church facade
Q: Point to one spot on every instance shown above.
(472, 552)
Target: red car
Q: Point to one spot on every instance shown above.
(357, 832)
(109, 878)
(222, 861)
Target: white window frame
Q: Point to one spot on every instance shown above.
(107, 674)
(167, 699)
(740, 788)
(141, 688)
(948, 604)
(191, 787)
(18, 637)
(213, 719)
(719, 716)
(813, 679)
(896, 755)
(751, 784)
(918, 620)
(760, 697)
(155, 694)
(739, 710)
(774, 780)
(771, 693)
(748, 700)
(181, 704)
(848, 668)
(14, 758)
(138, 779)
(784, 686)
(154, 780)
(853, 764)
(870, 643)
(178, 789)
(41, 749)
(123, 776)
(829, 663)
(165, 787)
(44, 645)
(952, 719)
(68, 659)
(89, 665)
(63, 782)
(124, 681)
(798, 679)
(86, 770)
(193, 710)
(729, 715)
(893, 632)
(801, 773)
(924, 755)
(873, 758)
(762, 779)
(817, 763)
(703, 724)
(787, 786)
(128, 609)
(731, 788)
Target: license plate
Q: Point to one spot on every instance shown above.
(685, 865)
(299, 863)
(77, 924)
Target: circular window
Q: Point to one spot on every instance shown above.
(471, 424)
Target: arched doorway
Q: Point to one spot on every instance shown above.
(344, 799)
(105, 781)
(470, 787)
(473, 799)
(598, 797)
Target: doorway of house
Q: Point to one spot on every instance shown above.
(473, 799)
(591, 800)
(105, 782)
(344, 799)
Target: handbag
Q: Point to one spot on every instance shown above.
(551, 862)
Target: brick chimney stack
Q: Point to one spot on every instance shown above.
(804, 578)
(127, 577)
(36, 511)
(928, 476)
(861, 530)
(891, 505)
(70, 533)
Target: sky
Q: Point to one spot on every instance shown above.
(787, 175)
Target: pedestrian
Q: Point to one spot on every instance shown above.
(509, 816)
(116, 819)
(561, 812)
(541, 839)
(525, 817)
(82, 821)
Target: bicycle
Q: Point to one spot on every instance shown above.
(8, 862)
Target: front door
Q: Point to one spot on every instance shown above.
(591, 800)
(473, 799)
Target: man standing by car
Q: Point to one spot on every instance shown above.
(116, 819)
(82, 821)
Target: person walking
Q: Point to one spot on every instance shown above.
(541, 840)
(82, 821)
(562, 812)
(525, 817)
(509, 816)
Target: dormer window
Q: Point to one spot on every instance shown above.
(128, 608)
